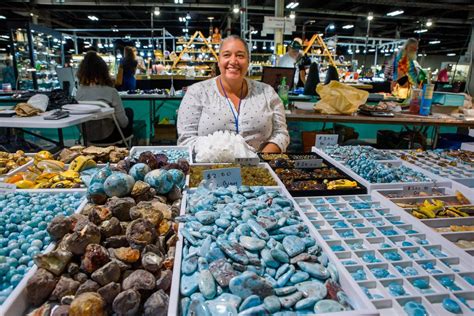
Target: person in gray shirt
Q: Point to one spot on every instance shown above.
(95, 84)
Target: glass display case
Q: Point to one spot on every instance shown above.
(37, 52)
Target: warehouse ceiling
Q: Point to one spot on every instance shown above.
(451, 20)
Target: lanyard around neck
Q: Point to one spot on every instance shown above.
(236, 117)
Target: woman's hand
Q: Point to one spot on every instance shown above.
(271, 148)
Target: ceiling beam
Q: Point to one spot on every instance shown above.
(467, 5)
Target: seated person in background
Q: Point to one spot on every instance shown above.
(234, 103)
(443, 75)
(95, 84)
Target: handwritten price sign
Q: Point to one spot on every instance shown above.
(223, 177)
(325, 140)
(415, 189)
(309, 163)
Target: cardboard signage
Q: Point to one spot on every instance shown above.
(324, 140)
(223, 177)
(253, 161)
(309, 163)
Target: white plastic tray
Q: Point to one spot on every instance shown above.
(16, 304)
(16, 170)
(393, 185)
(140, 149)
(361, 304)
(384, 212)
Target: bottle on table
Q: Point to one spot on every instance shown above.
(283, 92)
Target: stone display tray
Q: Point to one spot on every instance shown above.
(434, 223)
(16, 304)
(393, 158)
(361, 304)
(439, 181)
(462, 173)
(327, 214)
(16, 170)
(140, 149)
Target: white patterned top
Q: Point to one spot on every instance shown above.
(204, 111)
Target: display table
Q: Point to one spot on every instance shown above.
(39, 122)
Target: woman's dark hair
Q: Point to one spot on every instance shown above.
(94, 70)
(129, 62)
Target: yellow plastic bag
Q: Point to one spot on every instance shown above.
(339, 98)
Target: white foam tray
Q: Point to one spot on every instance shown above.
(390, 305)
(140, 149)
(361, 304)
(16, 304)
(393, 185)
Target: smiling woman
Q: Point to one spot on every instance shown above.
(234, 103)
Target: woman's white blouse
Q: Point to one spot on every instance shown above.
(204, 111)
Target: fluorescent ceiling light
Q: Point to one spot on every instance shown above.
(332, 26)
(2, 17)
(348, 26)
(371, 50)
(93, 18)
(429, 23)
(421, 31)
(188, 16)
(236, 9)
(4, 36)
(254, 32)
(395, 13)
(451, 54)
(434, 42)
(292, 5)
(156, 11)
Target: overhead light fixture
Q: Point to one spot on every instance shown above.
(348, 26)
(188, 16)
(236, 9)
(451, 54)
(332, 26)
(178, 1)
(395, 13)
(292, 15)
(429, 23)
(254, 46)
(182, 19)
(420, 31)
(254, 32)
(156, 11)
(370, 17)
(185, 30)
(93, 18)
(357, 51)
(371, 50)
(292, 5)
(434, 42)
(4, 36)
(210, 18)
(114, 29)
(2, 17)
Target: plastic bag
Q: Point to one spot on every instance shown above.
(338, 98)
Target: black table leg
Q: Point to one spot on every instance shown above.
(60, 138)
(84, 134)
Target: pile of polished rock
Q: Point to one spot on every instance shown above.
(247, 252)
(110, 259)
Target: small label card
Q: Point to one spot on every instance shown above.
(308, 163)
(223, 177)
(325, 140)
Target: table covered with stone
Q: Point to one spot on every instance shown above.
(247, 252)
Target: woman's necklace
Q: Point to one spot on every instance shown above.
(236, 116)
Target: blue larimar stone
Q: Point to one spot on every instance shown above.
(286, 277)
(197, 308)
(234, 250)
(258, 230)
(207, 217)
(259, 310)
(327, 306)
(189, 284)
(290, 300)
(251, 301)
(268, 259)
(272, 303)
(118, 184)
(280, 255)
(248, 283)
(293, 245)
(207, 285)
(413, 308)
(396, 289)
(306, 303)
(299, 276)
(281, 270)
(451, 306)
(314, 289)
(314, 269)
(251, 243)
(282, 291)
(138, 171)
(189, 266)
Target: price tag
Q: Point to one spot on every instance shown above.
(309, 163)
(7, 188)
(223, 177)
(324, 140)
(415, 189)
(253, 161)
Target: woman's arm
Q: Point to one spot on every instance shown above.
(279, 138)
(189, 115)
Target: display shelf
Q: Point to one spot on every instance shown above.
(453, 229)
(421, 253)
(16, 304)
(432, 179)
(192, 41)
(360, 303)
(440, 163)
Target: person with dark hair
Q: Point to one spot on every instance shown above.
(129, 64)
(232, 102)
(9, 74)
(95, 84)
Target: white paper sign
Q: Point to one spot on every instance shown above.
(309, 163)
(253, 161)
(223, 177)
(325, 140)
(415, 189)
